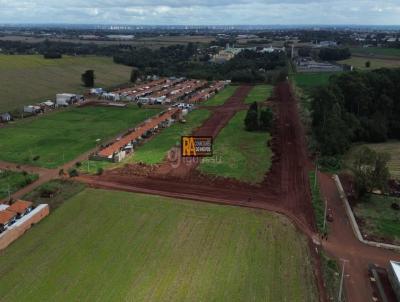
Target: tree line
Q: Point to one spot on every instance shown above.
(179, 60)
(356, 107)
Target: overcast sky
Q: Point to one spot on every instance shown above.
(202, 12)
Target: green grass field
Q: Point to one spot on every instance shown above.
(60, 137)
(317, 203)
(221, 97)
(311, 80)
(359, 63)
(376, 51)
(238, 153)
(12, 181)
(259, 93)
(379, 219)
(26, 79)
(117, 246)
(391, 147)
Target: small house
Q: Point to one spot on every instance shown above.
(7, 218)
(21, 208)
(65, 99)
(5, 117)
(394, 277)
(32, 109)
(47, 105)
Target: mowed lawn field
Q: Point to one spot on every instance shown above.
(12, 181)
(391, 147)
(26, 79)
(59, 137)
(238, 153)
(117, 246)
(221, 97)
(359, 62)
(311, 80)
(376, 51)
(259, 93)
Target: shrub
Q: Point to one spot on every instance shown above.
(73, 172)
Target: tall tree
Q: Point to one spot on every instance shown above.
(266, 118)
(370, 170)
(88, 78)
(251, 119)
(134, 75)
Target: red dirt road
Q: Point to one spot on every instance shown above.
(343, 244)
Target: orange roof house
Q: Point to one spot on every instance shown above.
(20, 206)
(6, 216)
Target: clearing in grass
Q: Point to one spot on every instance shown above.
(376, 51)
(259, 93)
(377, 220)
(238, 153)
(117, 246)
(12, 181)
(221, 97)
(311, 80)
(28, 79)
(60, 137)
(391, 147)
(375, 63)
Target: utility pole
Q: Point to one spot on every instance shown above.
(341, 280)
(316, 174)
(325, 212)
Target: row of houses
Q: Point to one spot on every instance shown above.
(123, 146)
(207, 93)
(10, 214)
(17, 218)
(61, 100)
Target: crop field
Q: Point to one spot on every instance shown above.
(12, 181)
(376, 51)
(151, 248)
(378, 220)
(59, 137)
(221, 97)
(311, 80)
(391, 147)
(26, 79)
(239, 154)
(259, 93)
(359, 63)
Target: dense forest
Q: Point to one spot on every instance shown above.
(334, 54)
(50, 48)
(355, 107)
(179, 60)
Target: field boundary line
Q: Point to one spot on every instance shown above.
(353, 222)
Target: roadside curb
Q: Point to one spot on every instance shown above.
(353, 221)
